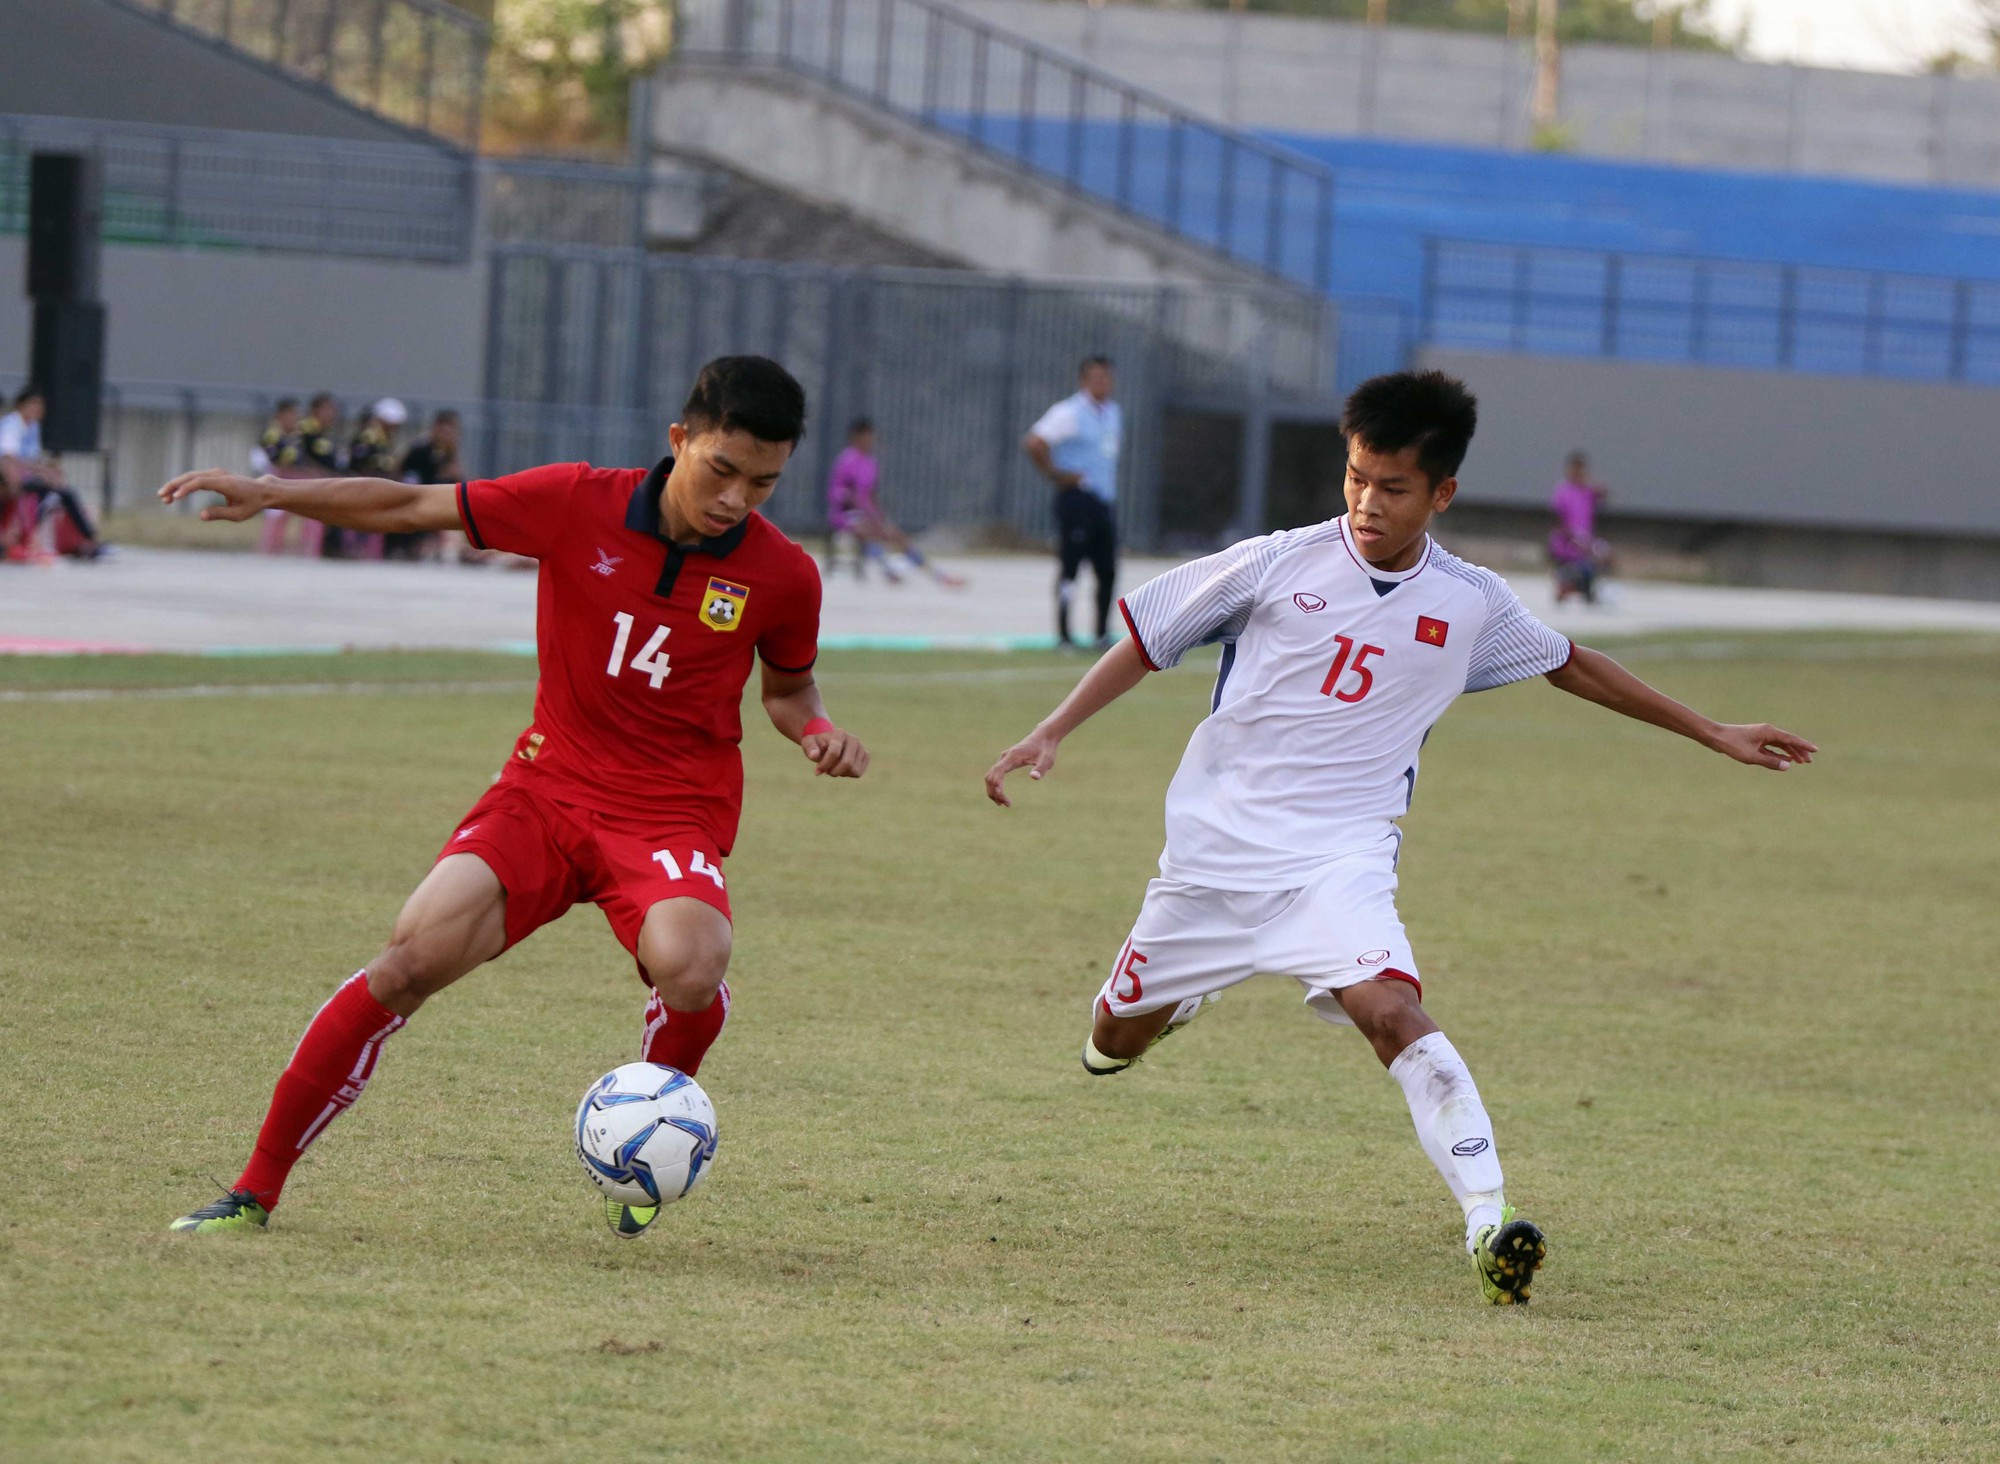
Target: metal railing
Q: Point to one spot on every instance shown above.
(197, 186)
(564, 201)
(1713, 312)
(1078, 127)
(420, 63)
(954, 366)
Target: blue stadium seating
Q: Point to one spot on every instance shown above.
(1392, 195)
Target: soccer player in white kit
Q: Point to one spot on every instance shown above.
(1342, 645)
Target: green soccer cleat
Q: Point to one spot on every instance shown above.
(1099, 1066)
(237, 1210)
(629, 1222)
(1506, 1257)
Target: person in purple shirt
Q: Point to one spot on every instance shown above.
(851, 509)
(1579, 555)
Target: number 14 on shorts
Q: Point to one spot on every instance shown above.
(697, 864)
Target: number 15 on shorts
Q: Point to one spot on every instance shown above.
(697, 864)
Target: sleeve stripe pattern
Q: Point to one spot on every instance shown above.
(465, 514)
(1512, 644)
(1138, 641)
(1207, 600)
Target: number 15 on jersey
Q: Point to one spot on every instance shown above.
(1363, 679)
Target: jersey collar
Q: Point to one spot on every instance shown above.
(1383, 576)
(642, 513)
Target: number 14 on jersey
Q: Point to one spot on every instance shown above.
(651, 661)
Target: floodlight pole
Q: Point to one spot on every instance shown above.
(1548, 68)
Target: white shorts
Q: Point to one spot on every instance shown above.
(1340, 930)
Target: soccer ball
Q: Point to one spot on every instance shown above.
(645, 1133)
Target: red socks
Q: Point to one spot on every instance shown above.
(335, 1058)
(327, 1072)
(681, 1039)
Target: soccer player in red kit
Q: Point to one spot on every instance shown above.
(658, 589)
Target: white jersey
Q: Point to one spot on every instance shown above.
(1333, 672)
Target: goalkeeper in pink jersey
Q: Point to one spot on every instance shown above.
(851, 509)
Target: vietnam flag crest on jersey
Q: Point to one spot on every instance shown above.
(722, 605)
(1431, 632)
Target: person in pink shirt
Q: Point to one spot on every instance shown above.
(851, 509)
(1579, 555)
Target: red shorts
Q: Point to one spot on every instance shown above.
(550, 856)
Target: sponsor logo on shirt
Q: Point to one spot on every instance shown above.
(1311, 604)
(607, 564)
(722, 604)
(1432, 632)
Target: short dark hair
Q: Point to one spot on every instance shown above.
(285, 404)
(444, 416)
(1427, 410)
(26, 394)
(752, 394)
(860, 425)
(323, 396)
(1090, 361)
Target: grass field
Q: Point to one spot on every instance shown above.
(1738, 1033)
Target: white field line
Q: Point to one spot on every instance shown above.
(1885, 648)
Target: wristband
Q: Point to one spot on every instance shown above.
(816, 726)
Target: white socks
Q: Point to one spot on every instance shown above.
(1452, 1126)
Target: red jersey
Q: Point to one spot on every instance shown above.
(644, 645)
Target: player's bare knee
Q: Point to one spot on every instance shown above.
(401, 977)
(687, 967)
(690, 983)
(1117, 1036)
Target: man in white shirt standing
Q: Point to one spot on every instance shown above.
(1075, 446)
(27, 470)
(1342, 644)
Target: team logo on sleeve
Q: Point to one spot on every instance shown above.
(722, 605)
(1431, 632)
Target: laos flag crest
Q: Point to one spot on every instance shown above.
(722, 604)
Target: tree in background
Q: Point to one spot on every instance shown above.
(1686, 24)
(1981, 55)
(560, 72)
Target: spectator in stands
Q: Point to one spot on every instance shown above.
(280, 447)
(35, 480)
(1075, 446)
(1580, 557)
(432, 458)
(851, 511)
(371, 452)
(320, 456)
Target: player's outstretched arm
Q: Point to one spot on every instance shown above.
(372, 505)
(1117, 671)
(1595, 677)
(792, 702)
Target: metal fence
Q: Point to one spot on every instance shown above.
(953, 367)
(1713, 312)
(421, 63)
(196, 186)
(1076, 126)
(560, 201)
